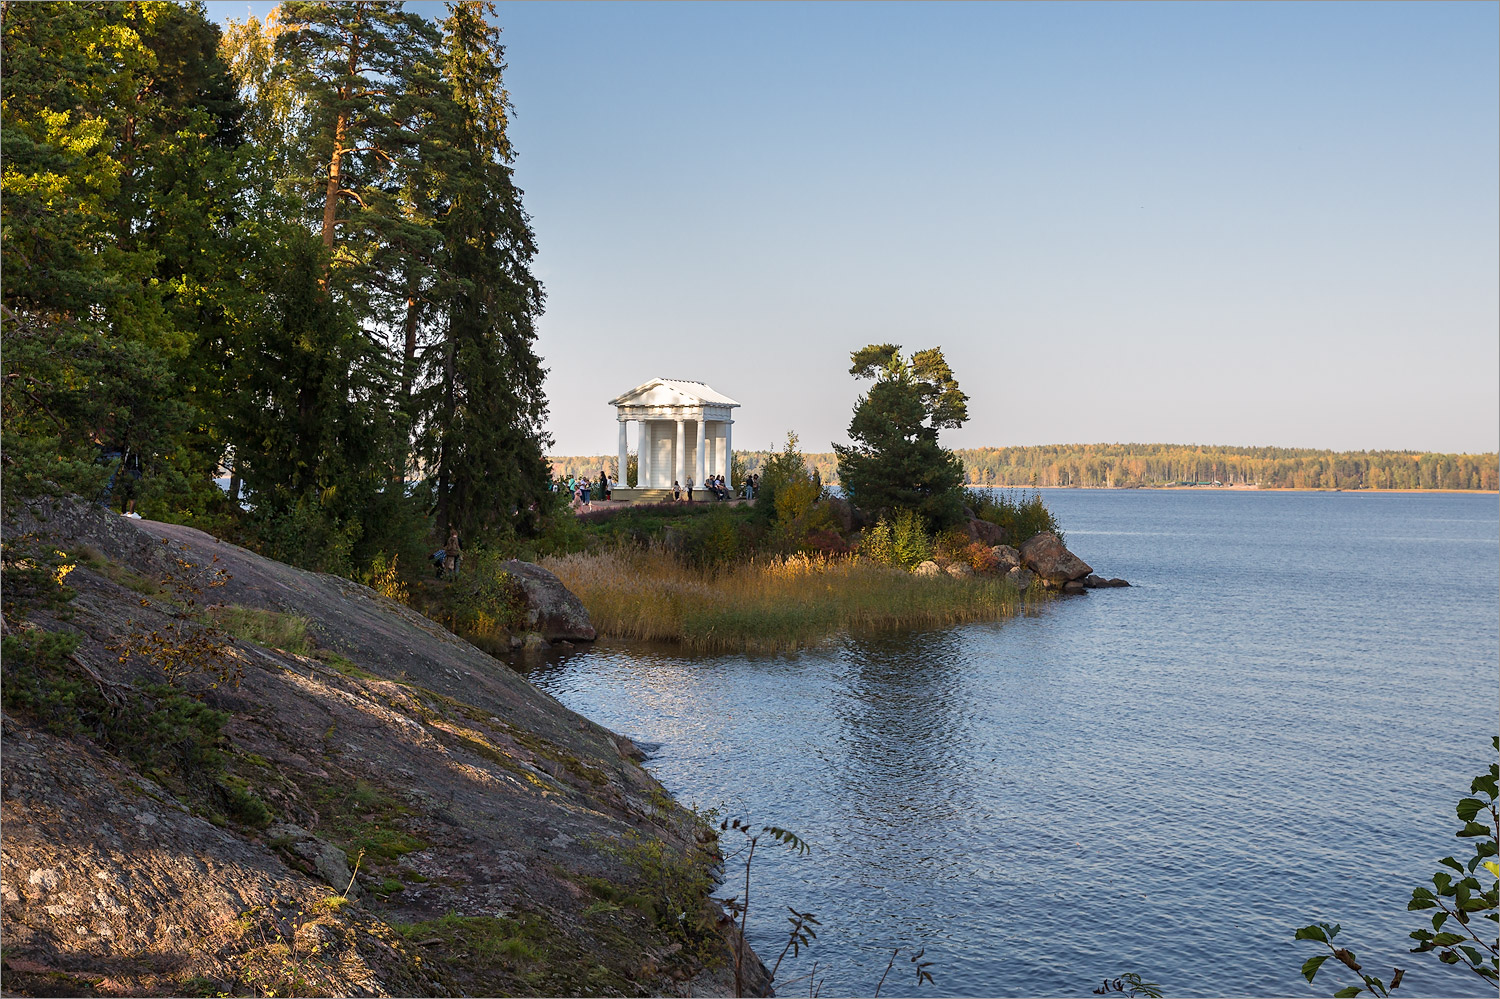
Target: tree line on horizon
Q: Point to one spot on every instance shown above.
(290, 254)
(1148, 465)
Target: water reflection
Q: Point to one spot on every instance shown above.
(1129, 781)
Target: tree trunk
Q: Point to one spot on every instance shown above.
(331, 199)
(445, 435)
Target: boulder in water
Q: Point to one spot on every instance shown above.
(1053, 564)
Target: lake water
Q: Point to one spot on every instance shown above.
(1271, 727)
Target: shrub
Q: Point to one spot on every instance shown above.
(484, 604)
(879, 543)
(1022, 517)
(909, 539)
(385, 578)
(826, 541)
(306, 535)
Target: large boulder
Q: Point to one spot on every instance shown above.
(1006, 557)
(984, 532)
(927, 568)
(1053, 563)
(551, 608)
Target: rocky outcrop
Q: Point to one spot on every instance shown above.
(383, 748)
(1093, 582)
(1053, 564)
(984, 532)
(927, 568)
(1006, 558)
(1020, 577)
(552, 610)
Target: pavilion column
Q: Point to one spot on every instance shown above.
(643, 455)
(681, 455)
(702, 449)
(620, 468)
(728, 456)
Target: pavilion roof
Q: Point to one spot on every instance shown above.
(672, 392)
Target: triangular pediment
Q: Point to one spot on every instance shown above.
(673, 392)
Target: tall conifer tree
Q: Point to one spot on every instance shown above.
(483, 406)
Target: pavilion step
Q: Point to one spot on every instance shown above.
(643, 495)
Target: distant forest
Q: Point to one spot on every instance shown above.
(1137, 465)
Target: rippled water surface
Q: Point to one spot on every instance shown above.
(1270, 727)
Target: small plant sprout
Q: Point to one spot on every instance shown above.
(354, 875)
(923, 975)
(801, 935)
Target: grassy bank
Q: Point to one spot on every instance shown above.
(772, 604)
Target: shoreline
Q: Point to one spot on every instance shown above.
(1247, 489)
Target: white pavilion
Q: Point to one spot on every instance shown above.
(684, 432)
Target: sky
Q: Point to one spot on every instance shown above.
(1241, 224)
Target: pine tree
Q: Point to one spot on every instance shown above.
(895, 461)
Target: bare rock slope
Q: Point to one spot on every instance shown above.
(497, 843)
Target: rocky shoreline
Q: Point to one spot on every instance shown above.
(385, 810)
(1040, 559)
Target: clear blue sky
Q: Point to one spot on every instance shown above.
(1221, 223)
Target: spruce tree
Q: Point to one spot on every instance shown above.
(482, 406)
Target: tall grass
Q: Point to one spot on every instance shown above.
(272, 629)
(771, 604)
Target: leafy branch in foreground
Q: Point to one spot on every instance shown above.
(1453, 935)
(801, 933)
(1129, 984)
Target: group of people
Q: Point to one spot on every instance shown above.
(582, 489)
(717, 487)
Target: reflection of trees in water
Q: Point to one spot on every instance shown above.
(906, 726)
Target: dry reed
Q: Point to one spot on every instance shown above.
(772, 604)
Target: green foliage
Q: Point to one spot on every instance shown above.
(1466, 896)
(306, 534)
(785, 473)
(894, 461)
(163, 732)
(878, 543)
(33, 573)
(208, 270)
(120, 172)
(1460, 893)
(909, 541)
(903, 543)
(484, 603)
(272, 629)
(715, 539)
(1022, 517)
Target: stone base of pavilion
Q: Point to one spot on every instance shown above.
(622, 494)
